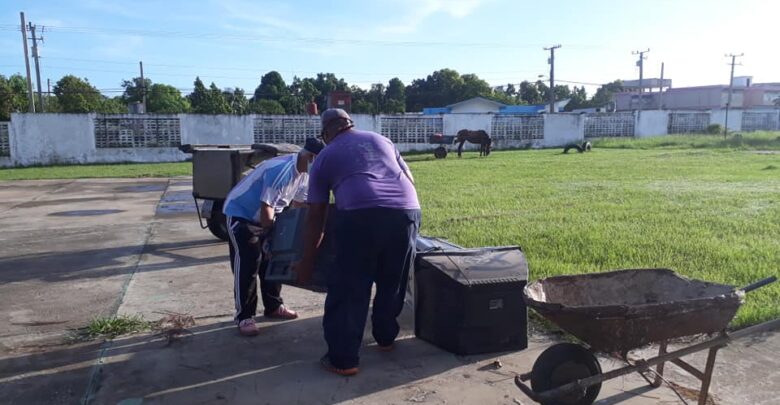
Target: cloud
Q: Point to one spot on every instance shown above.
(420, 10)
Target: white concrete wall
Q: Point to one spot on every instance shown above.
(455, 122)
(651, 123)
(217, 129)
(70, 138)
(563, 129)
(367, 122)
(735, 119)
(51, 138)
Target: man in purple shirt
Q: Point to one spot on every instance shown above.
(378, 221)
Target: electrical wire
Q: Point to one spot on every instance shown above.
(273, 38)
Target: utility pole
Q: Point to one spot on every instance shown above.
(661, 89)
(641, 64)
(30, 98)
(36, 56)
(551, 61)
(731, 89)
(48, 87)
(143, 86)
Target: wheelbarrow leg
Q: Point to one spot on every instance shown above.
(705, 382)
(659, 369)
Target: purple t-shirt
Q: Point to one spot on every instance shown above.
(364, 170)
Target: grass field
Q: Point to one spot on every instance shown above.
(705, 206)
(133, 170)
(712, 214)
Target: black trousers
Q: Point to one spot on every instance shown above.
(375, 246)
(243, 262)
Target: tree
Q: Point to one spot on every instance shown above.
(529, 93)
(605, 94)
(135, 88)
(396, 90)
(165, 99)
(510, 91)
(198, 96)
(562, 92)
(272, 87)
(579, 99)
(360, 101)
(75, 95)
(208, 101)
(236, 100)
(325, 83)
(265, 106)
(6, 99)
(114, 105)
(473, 86)
(13, 96)
(216, 101)
(440, 88)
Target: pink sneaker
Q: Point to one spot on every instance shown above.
(247, 327)
(282, 313)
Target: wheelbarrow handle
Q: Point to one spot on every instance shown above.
(526, 389)
(759, 284)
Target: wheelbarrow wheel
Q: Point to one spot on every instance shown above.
(562, 364)
(218, 222)
(440, 152)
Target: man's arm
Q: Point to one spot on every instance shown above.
(404, 166)
(312, 236)
(267, 215)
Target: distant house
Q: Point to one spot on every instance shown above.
(745, 94)
(482, 105)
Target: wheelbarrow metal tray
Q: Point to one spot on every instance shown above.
(621, 310)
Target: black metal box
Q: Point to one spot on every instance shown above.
(470, 301)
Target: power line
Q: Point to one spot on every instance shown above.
(273, 38)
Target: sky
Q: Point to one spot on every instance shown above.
(234, 42)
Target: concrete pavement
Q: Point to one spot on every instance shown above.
(75, 250)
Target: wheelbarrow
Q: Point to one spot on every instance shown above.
(618, 311)
(441, 140)
(216, 169)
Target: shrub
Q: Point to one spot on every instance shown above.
(714, 129)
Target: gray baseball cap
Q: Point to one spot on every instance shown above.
(332, 114)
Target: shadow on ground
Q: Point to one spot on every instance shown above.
(212, 364)
(99, 263)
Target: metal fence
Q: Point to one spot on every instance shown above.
(5, 144)
(517, 127)
(140, 132)
(609, 125)
(401, 129)
(280, 129)
(760, 121)
(688, 122)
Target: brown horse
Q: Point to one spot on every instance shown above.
(479, 137)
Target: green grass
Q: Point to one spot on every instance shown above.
(746, 141)
(710, 214)
(132, 170)
(112, 327)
